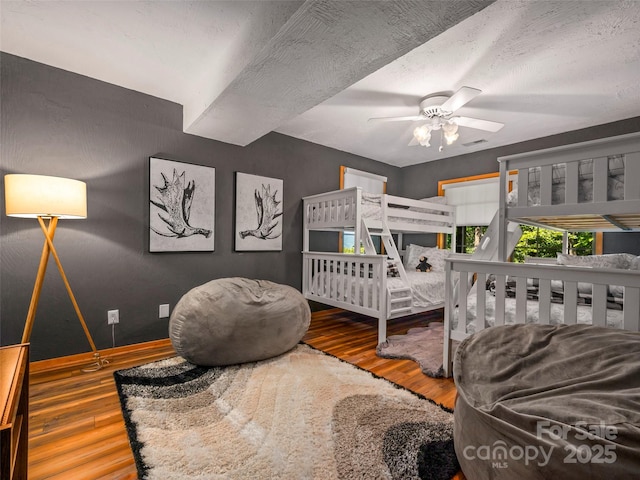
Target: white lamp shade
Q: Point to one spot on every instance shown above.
(31, 196)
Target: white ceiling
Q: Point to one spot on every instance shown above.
(317, 70)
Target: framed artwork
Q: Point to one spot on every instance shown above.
(181, 206)
(258, 213)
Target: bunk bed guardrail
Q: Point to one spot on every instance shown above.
(578, 201)
(342, 209)
(339, 280)
(460, 271)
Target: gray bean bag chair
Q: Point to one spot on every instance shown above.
(548, 402)
(237, 320)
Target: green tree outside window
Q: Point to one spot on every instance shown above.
(535, 242)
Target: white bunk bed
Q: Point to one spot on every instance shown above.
(591, 186)
(361, 282)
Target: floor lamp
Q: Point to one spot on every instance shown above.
(48, 199)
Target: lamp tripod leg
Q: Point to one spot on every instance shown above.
(50, 231)
(99, 362)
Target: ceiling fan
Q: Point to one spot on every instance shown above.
(437, 111)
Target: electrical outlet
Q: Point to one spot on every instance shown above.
(163, 311)
(113, 316)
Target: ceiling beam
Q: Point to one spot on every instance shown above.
(324, 47)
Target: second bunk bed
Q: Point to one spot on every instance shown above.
(592, 186)
(376, 282)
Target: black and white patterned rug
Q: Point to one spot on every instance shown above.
(304, 414)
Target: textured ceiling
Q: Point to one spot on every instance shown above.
(317, 70)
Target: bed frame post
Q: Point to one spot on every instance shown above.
(502, 223)
(454, 229)
(384, 298)
(305, 228)
(357, 228)
(448, 311)
(382, 326)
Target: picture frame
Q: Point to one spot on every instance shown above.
(258, 213)
(181, 206)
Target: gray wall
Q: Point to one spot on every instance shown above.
(57, 123)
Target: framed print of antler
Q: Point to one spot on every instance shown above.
(181, 206)
(259, 207)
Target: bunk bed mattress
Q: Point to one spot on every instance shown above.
(427, 287)
(614, 318)
(372, 210)
(542, 401)
(615, 183)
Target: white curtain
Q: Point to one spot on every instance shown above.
(476, 201)
(370, 182)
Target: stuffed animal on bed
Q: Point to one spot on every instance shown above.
(423, 266)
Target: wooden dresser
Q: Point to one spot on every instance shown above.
(14, 408)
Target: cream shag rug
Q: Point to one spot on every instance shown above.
(422, 345)
(302, 415)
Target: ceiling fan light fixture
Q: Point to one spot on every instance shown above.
(450, 138)
(450, 129)
(437, 110)
(422, 134)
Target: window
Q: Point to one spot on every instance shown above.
(477, 200)
(467, 238)
(545, 243)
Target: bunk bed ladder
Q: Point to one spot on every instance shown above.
(369, 247)
(400, 300)
(397, 304)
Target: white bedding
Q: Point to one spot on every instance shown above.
(372, 210)
(615, 183)
(614, 317)
(427, 287)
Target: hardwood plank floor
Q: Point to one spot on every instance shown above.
(76, 427)
(353, 337)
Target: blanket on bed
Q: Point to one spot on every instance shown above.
(615, 183)
(614, 317)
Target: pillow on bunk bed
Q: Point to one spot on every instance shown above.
(608, 260)
(371, 198)
(621, 261)
(435, 256)
(635, 264)
(438, 199)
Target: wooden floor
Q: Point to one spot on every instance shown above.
(354, 337)
(76, 428)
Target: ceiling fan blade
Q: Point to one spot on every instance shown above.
(487, 125)
(460, 98)
(412, 118)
